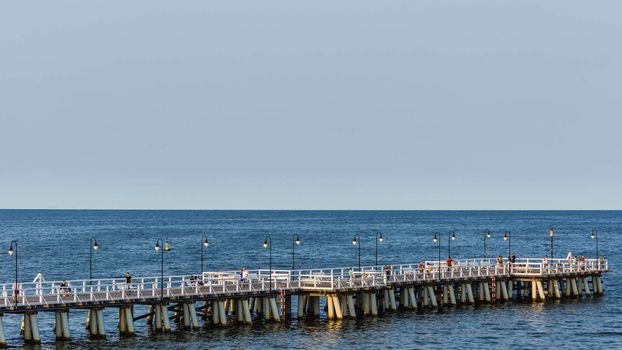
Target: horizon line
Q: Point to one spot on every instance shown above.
(281, 209)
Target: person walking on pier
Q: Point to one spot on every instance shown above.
(128, 280)
(244, 275)
(450, 262)
(387, 271)
(15, 291)
(64, 287)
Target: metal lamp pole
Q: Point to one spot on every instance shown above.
(506, 237)
(435, 240)
(14, 252)
(160, 249)
(93, 247)
(295, 242)
(594, 236)
(356, 241)
(379, 238)
(451, 237)
(267, 243)
(204, 245)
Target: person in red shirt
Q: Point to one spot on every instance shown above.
(450, 261)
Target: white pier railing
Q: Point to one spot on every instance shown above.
(230, 283)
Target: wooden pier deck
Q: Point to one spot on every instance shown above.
(349, 292)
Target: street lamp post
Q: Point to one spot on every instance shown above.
(356, 240)
(267, 243)
(379, 238)
(204, 245)
(160, 249)
(93, 247)
(14, 252)
(452, 237)
(436, 239)
(506, 237)
(594, 236)
(295, 242)
(486, 236)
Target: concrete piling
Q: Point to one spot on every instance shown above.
(61, 325)
(2, 336)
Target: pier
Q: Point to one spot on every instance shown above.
(220, 298)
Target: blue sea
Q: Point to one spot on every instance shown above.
(56, 243)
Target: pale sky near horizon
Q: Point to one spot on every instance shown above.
(311, 105)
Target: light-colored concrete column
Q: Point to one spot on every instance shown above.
(452, 295)
(2, 336)
(432, 296)
(411, 297)
(373, 304)
(392, 299)
(338, 307)
(247, 312)
(221, 313)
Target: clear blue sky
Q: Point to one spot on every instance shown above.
(311, 105)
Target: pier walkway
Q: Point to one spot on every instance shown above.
(349, 292)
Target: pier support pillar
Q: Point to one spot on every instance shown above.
(411, 297)
(302, 301)
(486, 291)
(504, 291)
(189, 316)
(573, 286)
(540, 289)
(510, 289)
(452, 294)
(222, 314)
(597, 283)
(31, 329)
(246, 312)
(470, 297)
(351, 306)
(405, 301)
(126, 321)
(587, 287)
(2, 336)
(96, 324)
(162, 323)
(392, 303)
(330, 308)
(61, 325)
(556, 289)
(373, 303)
(337, 306)
(432, 296)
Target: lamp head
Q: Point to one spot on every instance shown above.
(206, 243)
(354, 241)
(487, 234)
(505, 236)
(95, 246)
(381, 238)
(265, 243)
(157, 247)
(166, 246)
(453, 236)
(434, 239)
(11, 251)
(297, 240)
(593, 236)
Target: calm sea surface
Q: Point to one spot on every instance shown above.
(56, 243)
